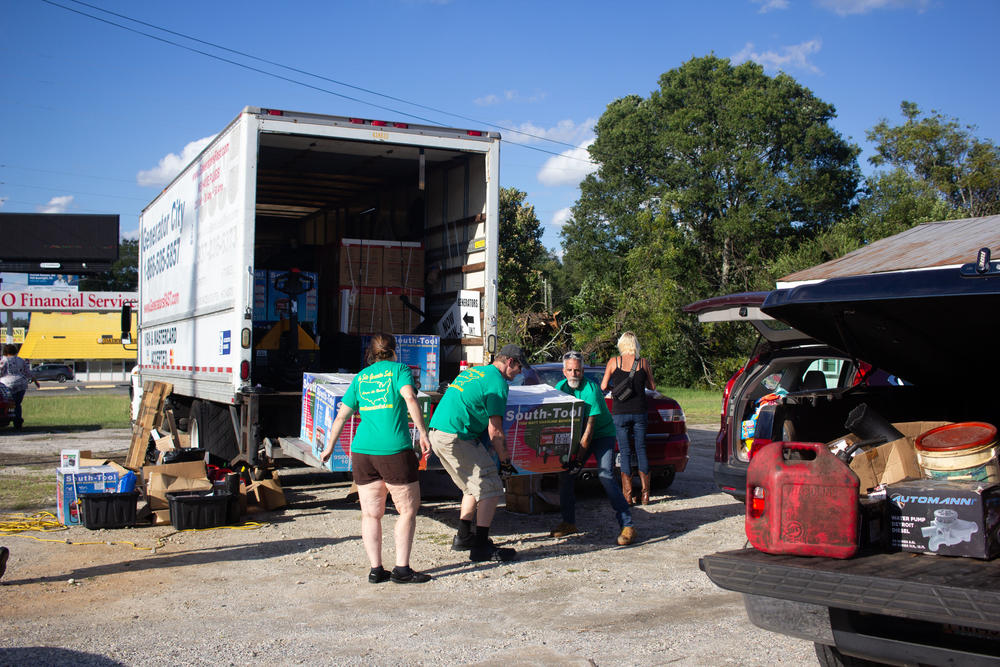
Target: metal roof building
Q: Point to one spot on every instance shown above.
(930, 245)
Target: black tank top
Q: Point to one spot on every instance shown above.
(637, 404)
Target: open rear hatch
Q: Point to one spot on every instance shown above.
(746, 307)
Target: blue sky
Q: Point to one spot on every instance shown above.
(95, 118)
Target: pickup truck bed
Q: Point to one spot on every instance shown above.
(898, 608)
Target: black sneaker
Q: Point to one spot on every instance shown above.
(408, 577)
(378, 576)
(4, 555)
(463, 544)
(492, 552)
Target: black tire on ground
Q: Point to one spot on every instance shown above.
(664, 478)
(61, 377)
(829, 656)
(211, 427)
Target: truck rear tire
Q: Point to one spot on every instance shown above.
(829, 656)
(211, 428)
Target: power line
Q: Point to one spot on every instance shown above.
(300, 71)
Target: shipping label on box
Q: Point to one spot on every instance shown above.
(543, 428)
(71, 482)
(945, 518)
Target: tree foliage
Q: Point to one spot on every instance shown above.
(699, 188)
(124, 273)
(521, 252)
(943, 155)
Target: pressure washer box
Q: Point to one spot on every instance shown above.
(73, 481)
(543, 427)
(945, 518)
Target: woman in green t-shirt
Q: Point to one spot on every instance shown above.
(382, 455)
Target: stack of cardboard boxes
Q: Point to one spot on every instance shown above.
(375, 276)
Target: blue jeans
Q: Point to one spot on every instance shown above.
(18, 396)
(603, 450)
(636, 425)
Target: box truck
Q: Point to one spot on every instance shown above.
(291, 237)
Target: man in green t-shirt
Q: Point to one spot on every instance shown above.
(475, 402)
(598, 439)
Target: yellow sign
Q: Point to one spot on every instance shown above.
(17, 338)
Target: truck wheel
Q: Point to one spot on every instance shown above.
(211, 428)
(665, 478)
(829, 656)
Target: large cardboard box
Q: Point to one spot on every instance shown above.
(403, 265)
(945, 517)
(891, 462)
(361, 310)
(361, 263)
(543, 428)
(71, 482)
(172, 478)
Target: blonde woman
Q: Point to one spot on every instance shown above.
(630, 414)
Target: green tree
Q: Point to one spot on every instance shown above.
(943, 155)
(700, 187)
(124, 274)
(521, 252)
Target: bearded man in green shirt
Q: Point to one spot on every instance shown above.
(598, 439)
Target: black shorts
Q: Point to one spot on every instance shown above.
(398, 468)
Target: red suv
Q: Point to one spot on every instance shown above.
(667, 440)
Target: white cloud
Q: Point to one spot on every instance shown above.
(794, 57)
(569, 168)
(848, 7)
(57, 204)
(770, 5)
(508, 96)
(565, 131)
(132, 235)
(171, 165)
(561, 217)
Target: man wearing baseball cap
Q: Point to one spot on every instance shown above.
(475, 402)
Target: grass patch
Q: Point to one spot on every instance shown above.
(94, 410)
(700, 406)
(27, 489)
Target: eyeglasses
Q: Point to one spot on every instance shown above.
(572, 354)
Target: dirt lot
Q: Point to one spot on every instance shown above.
(294, 591)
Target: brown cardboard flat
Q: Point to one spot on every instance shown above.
(267, 493)
(161, 517)
(164, 444)
(893, 461)
(191, 469)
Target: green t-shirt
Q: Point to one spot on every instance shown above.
(590, 393)
(478, 393)
(374, 394)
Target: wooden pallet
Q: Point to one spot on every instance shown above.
(150, 417)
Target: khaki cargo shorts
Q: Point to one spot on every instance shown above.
(468, 464)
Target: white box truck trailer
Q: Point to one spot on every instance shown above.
(269, 255)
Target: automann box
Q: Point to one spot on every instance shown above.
(71, 482)
(948, 518)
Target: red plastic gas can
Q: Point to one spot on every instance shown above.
(801, 500)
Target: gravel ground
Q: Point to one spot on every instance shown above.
(295, 591)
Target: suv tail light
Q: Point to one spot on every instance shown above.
(671, 414)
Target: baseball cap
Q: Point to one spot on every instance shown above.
(514, 352)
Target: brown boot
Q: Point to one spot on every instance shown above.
(627, 536)
(627, 488)
(644, 478)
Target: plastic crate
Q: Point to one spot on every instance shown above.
(108, 510)
(194, 509)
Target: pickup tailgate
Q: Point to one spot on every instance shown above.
(956, 591)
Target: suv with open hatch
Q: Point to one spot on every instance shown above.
(937, 329)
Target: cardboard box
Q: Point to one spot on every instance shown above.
(70, 482)
(266, 493)
(543, 427)
(361, 263)
(403, 265)
(945, 518)
(361, 310)
(890, 462)
(170, 477)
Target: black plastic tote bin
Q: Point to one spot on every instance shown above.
(108, 510)
(194, 509)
